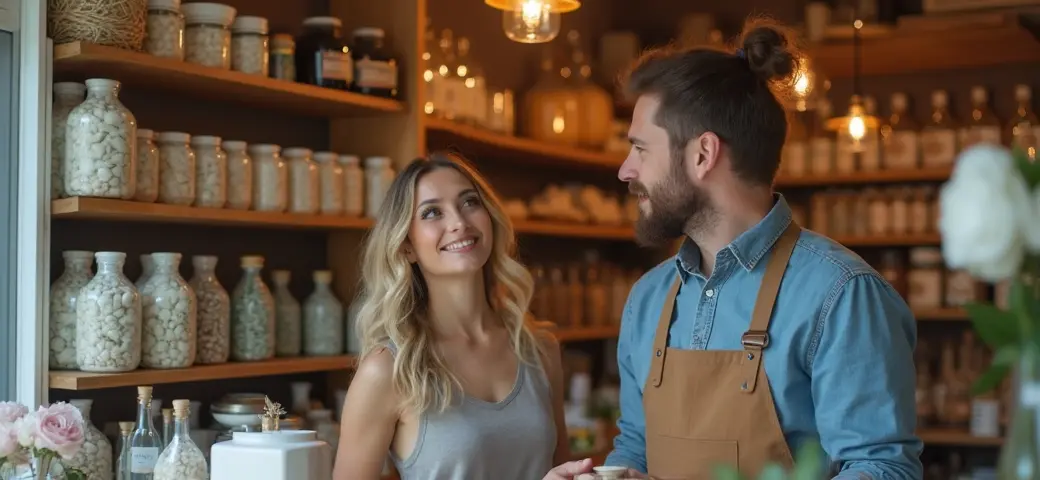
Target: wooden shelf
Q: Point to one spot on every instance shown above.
(86, 208)
(76, 380)
(941, 315)
(560, 229)
(861, 178)
(852, 241)
(81, 60)
(957, 438)
(477, 142)
(587, 333)
(925, 51)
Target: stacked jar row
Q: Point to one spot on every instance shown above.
(104, 323)
(881, 212)
(208, 34)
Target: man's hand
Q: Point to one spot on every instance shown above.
(569, 470)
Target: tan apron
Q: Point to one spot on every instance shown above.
(704, 407)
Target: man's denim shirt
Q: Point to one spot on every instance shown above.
(840, 358)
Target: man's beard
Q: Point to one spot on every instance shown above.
(675, 206)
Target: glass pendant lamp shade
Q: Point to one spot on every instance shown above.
(854, 126)
(532, 21)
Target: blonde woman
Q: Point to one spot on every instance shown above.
(452, 383)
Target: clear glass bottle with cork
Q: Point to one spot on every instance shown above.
(182, 459)
(145, 441)
(123, 461)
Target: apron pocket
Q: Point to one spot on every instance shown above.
(674, 458)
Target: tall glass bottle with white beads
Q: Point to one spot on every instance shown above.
(145, 442)
(182, 459)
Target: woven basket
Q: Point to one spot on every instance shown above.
(115, 23)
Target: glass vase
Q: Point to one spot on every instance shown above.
(1020, 457)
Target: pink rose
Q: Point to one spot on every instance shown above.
(11, 411)
(8, 441)
(58, 428)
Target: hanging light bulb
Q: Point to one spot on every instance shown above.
(855, 125)
(532, 21)
(804, 80)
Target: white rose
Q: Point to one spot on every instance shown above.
(983, 207)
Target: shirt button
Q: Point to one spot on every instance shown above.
(709, 292)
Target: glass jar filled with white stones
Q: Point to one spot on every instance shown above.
(64, 293)
(108, 319)
(100, 144)
(169, 316)
(239, 175)
(288, 316)
(378, 175)
(322, 318)
(353, 186)
(207, 33)
(210, 172)
(164, 29)
(147, 167)
(94, 458)
(214, 312)
(249, 45)
(303, 180)
(252, 314)
(176, 169)
(66, 96)
(330, 176)
(270, 178)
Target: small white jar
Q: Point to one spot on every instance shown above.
(353, 186)
(270, 178)
(210, 172)
(303, 181)
(207, 33)
(176, 169)
(239, 175)
(250, 45)
(164, 29)
(379, 175)
(147, 167)
(330, 174)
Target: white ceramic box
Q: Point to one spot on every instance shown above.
(280, 455)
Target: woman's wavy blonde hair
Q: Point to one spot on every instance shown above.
(393, 293)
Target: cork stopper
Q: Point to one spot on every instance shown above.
(144, 393)
(322, 276)
(126, 427)
(252, 261)
(182, 407)
(167, 414)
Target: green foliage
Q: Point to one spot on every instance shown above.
(1030, 170)
(808, 465)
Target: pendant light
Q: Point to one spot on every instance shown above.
(854, 127)
(532, 21)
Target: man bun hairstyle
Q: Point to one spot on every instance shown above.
(736, 93)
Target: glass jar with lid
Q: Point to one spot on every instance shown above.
(330, 175)
(921, 211)
(322, 58)
(375, 69)
(379, 174)
(164, 29)
(210, 171)
(207, 33)
(282, 64)
(147, 167)
(878, 212)
(176, 169)
(239, 175)
(270, 178)
(899, 205)
(249, 47)
(925, 279)
(303, 180)
(353, 186)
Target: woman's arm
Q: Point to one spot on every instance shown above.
(370, 414)
(554, 370)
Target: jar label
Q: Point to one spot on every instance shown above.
(901, 149)
(938, 147)
(985, 418)
(979, 134)
(337, 66)
(375, 74)
(142, 459)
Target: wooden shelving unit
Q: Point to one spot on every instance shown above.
(866, 178)
(957, 438)
(889, 241)
(82, 60)
(941, 315)
(929, 51)
(76, 380)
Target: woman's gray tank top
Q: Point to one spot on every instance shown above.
(478, 440)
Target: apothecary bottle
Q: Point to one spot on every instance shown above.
(322, 319)
(100, 145)
(94, 458)
(207, 33)
(900, 136)
(145, 441)
(353, 186)
(270, 178)
(64, 293)
(249, 45)
(303, 180)
(252, 314)
(123, 458)
(214, 312)
(67, 95)
(378, 176)
(170, 316)
(147, 167)
(108, 319)
(210, 172)
(239, 175)
(181, 459)
(322, 58)
(330, 177)
(176, 169)
(375, 70)
(164, 29)
(283, 57)
(288, 316)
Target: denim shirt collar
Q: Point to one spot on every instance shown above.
(748, 248)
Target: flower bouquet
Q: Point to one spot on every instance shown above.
(990, 227)
(30, 443)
